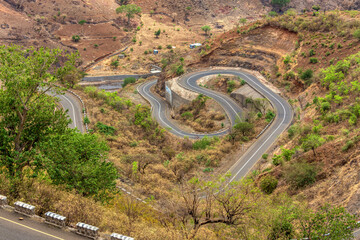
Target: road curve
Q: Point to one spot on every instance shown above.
(284, 114)
(69, 102)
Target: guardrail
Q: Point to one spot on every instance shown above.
(87, 230)
(55, 219)
(24, 208)
(116, 236)
(3, 200)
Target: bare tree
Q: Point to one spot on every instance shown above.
(211, 202)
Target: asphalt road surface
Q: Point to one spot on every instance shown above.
(69, 102)
(284, 115)
(11, 228)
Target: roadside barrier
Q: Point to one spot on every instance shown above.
(116, 236)
(3, 200)
(87, 230)
(55, 219)
(24, 208)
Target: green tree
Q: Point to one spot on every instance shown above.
(75, 38)
(206, 29)
(312, 142)
(81, 164)
(157, 33)
(244, 127)
(280, 3)
(333, 222)
(242, 21)
(130, 10)
(28, 115)
(316, 7)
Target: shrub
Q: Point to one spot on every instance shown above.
(311, 52)
(86, 120)
(277, 160)
(265, 156)
(75, 38)
(308, 74)
(273, 14)
(268, 184)
(349, 144)
(325, 106)
(202, 143)
(114, 63)
(180, 70)
(128, 81)
(105, 129)
(314, 60)
(287, 60)
(356, 34)
(269, 116)
(300, 174)
(187, 115)
(169, 46)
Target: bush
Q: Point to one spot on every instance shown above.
(349, 144)
(311, 52)
(308, 74)
(268, 184)
(105, 129)
(314, 60)
(356, 34)
(180, 70)
(325, 106)
(76, 38)
(169, 46)
(287, 60)
(202, 143)
(187, 115)
(269, 116)
(300, 174)
(128, 81)
(114, 63)
(86, 120)
(277, 160)
(265, 156)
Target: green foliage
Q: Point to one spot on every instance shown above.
(300, 174)
(311, 52)
(115, 63)
(356, 34)
(82, 22)
(265, 156)
(334, 222)
(180, 70)
(349, 144)
(187, 115)
(316, 7)
(287, 153)
(268, 184)
(277, 160)
(242, 21)
(75, 38)
(206, 29)
(269, 116)
(143, 118)
(272, 14)
(157, 33)
(128, 80)
(105, 129)
(244, 127)
(81, 164)
(130, 10)
(314, 60)
(306, 75)
(287, 60)
(280, 3)
(110, 98)
(28, 116)
(311, 142)
(202, 143)
(86, 120)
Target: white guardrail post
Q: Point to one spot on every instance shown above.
(116, 236)
(24, 208)
(3, 201)
(55, 219)
(87, 230)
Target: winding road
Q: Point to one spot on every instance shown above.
(243, 165)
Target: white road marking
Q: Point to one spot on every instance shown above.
(73, 109)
